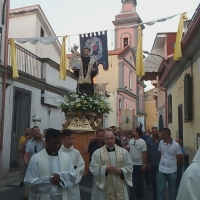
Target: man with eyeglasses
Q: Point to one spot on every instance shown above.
(34, 146)
(137, 151)
(50, 172)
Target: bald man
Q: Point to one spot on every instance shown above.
(112, 168)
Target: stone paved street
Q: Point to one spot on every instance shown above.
(13, 192)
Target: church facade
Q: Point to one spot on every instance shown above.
(124, 87)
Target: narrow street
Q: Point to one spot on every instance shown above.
(13, 192)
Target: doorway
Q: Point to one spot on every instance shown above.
(20, 119)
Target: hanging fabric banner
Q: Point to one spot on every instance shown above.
(97, 43)
(35, 40)
(13, 59)
(179, 35)
(63, 60)
(139, 55)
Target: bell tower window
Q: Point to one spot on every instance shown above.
(125, 42)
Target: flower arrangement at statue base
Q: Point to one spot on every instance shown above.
(83, 112)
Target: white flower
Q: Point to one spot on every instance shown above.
(96, 102)
(100, 93)
(78, 100)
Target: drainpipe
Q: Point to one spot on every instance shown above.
(164, 90)
(4, 76)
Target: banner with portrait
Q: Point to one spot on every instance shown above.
(97, 43)
(127, 120)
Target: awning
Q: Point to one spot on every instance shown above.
(154, 58)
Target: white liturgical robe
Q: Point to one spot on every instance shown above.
(79, 166)
(111, 187)
(189, 187)
(40, 170)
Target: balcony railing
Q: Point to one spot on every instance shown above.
(27, 62)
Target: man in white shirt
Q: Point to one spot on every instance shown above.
(170, 153)
(77, 161)
(137, 153)
(50, 172)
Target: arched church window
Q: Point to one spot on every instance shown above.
(130, 80)
(125, 42)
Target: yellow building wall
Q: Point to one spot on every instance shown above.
(151, 113)
(109, 77)
(189, 128)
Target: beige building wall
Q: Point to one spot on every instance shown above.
(192, 127)
(150, 109)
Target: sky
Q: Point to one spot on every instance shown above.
(72, 17)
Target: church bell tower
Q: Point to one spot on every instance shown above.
(127, 17)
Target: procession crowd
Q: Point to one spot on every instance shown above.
(120, 164)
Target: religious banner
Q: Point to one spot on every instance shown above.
(97, 43)
(126, 120)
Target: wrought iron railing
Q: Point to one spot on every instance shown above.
(27, 62)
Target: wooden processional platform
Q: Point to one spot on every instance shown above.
(81, 139)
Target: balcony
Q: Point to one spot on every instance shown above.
(26, 61)
(32, 72)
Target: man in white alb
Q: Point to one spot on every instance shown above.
(111, 167)
(50, 172)
(77, 161)
(189, 186)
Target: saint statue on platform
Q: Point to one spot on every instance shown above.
(75, 62)
(86, 73)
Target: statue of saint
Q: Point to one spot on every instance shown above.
(86, 73)
(75, 61)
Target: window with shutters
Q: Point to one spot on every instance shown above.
(120, 103)
(188, 97)
(169, 108)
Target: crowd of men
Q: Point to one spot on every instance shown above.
(119, 163)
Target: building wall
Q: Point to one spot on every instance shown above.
(23, 26)
(47, 121)
(124, 33)
(127, 102)
(46, 51)
(129, 73)
(51, 76)
(32, 24)
(3, 26)
(192, 127)
(150, 109)
(110, 77)
(161, 106)
(171, 39)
